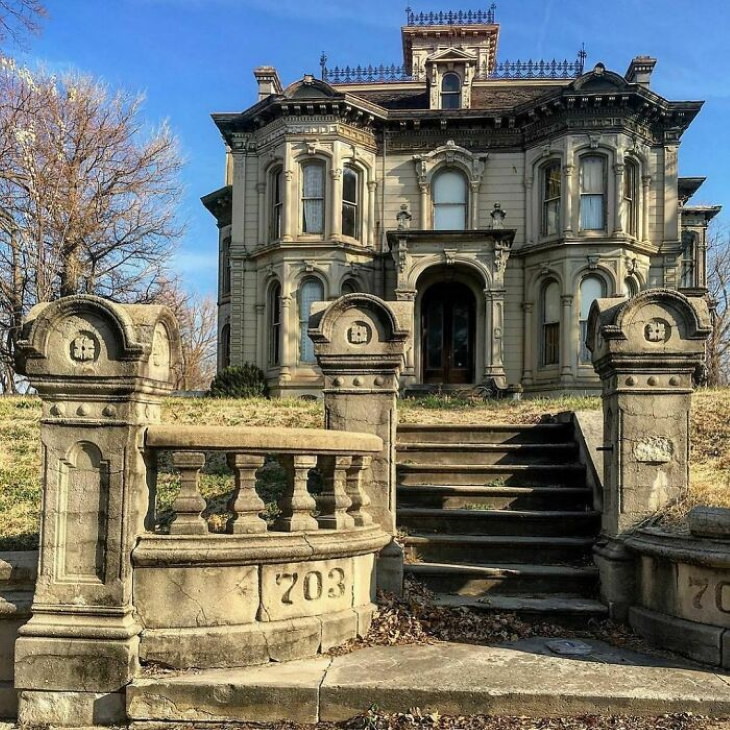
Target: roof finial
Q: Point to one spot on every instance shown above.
(582, 55)
(323, 66)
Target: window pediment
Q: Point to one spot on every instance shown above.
(458, 55)
(599, 79)
(450, 155)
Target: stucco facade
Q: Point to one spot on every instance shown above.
(499, 200)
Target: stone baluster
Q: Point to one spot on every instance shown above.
(245, 503)
(356, 493)
(297, 504)
(334, 500)
(189, 503)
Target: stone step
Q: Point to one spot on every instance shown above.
(425, 452)
(495, 475)
(497, 549)
(519, 523)
(520, 498)
(499, 433)
(505, 579)
(564, 609)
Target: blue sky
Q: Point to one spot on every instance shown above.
(194, 57)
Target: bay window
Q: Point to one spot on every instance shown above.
(313, 197)
(550, 190)
(593, 193)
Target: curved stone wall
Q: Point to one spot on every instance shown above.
(683, 601)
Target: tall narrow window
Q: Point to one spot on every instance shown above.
(277, 204)
(226, 266)
(449, 201)
(689, 239)
(274, 323)
(550, 345)
(225, 346)
(593, 193)
(630, 209)
(310, 291)
(450, 91)
(313, 197)
(591, 288)
(350, 203)
(551, 178)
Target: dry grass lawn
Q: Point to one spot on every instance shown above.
(20, 463)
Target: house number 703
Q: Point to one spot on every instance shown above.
(313, 585)
(721, 596)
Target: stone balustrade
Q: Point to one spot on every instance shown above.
(342, 458)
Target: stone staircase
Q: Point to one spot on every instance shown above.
(498, 517)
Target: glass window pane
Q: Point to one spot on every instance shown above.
(449, 217)
(591, 288)
(313, 216)
(551, 302)
(450, 82)
(449, 187)
(310, 291)
(591, 212)
(349, 185)
(349, 220)
(313, 180)
(592, 175)
(435, 335)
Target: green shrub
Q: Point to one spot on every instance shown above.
(246, 381)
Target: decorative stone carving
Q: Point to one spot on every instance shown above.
(498, 215)
(450, 154)
(84, 348)
(359, 333)
(404, 218)
(657, 331)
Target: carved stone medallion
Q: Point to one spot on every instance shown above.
(359, 333)
(657, 330)
(84, 348)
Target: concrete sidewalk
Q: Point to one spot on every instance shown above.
(522, 678)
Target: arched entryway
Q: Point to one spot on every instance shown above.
(448, 327)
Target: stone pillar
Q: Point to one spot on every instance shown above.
(645, 206)
(619, 170)
(474, 207)
(424, 205)
(567, 199)
(360, 345)
(645, 351)
(290, 203)
(335, 215)
(528, 353)
(567, 339)
(369, 232)
(285, 330)
(101, 370)
(263, 213)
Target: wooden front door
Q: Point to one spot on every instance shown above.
(447, 334)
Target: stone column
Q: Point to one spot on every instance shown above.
(290, 200)
(360, 346)
(285, 330)
(494, 342)
(527, 346)
(335, 215)
(369, 233)
(645, 351)
(101, 370)
(474, 204)
(645, 206)
(263, 214)
(424, 205)
(567, 199)
(566, 339)
(619, 170)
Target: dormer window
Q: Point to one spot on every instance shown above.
(450, 91)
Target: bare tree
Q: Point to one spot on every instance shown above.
(197, 318)
(88, 196)
(18, 18)
(718, 285)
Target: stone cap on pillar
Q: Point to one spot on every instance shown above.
(657, 329)
(86, 338)
(359, 331)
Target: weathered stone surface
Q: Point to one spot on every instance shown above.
(688, 638)
(363, 584)
(290, 590)
(338, 628)
(18, 570)
(294, 639)
(254, 695)
(712, 522)
(71, 709)
(193, 596)
(85, 665)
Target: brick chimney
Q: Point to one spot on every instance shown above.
(639, 71)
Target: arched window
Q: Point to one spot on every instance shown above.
(450, 91)
(630, 212)
(591, 288)
(313, 197)
(689, 255)
(631, 287)
(449, 201)
(277, 204)
(593, 193)
(226, 266)
(350, 202)
(349, 286)
(550, 315)
(225, 346)
(274, 308)
(310, 291)
(550, 190)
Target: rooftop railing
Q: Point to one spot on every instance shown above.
(452, 17)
